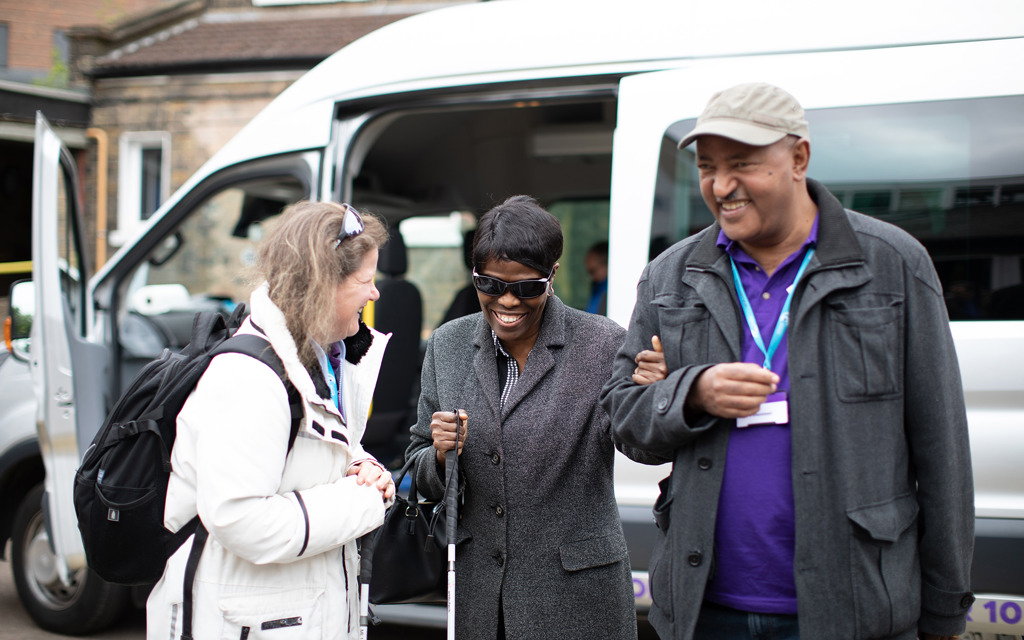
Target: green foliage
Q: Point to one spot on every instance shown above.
(59, 76)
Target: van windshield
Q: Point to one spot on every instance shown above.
(951, 173)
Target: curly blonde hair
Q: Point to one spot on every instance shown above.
(303, 263)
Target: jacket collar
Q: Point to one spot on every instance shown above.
(837, 242)
(271, 320)
(838, 263)
(359, 378)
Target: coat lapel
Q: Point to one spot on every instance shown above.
(838, 262)
(486, 367)
(707, 273)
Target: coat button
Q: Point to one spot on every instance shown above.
(966, 601)
(663, 405)
(499, 510)
(495, 458)
(499, 559)
(704, 464)
(695, 558)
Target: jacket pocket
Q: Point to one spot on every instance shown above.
(592, 552)
(684, 329)
(660, 573)
(272, 615)
(663, 505)
(884, 566)
(867, 351)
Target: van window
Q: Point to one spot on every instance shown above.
(203, 264)
(584, 225)
(437, 264)
(951, 173)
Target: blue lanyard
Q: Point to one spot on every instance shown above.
(781, 325)
(332, 381)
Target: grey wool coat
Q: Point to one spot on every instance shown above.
(881, 467)
(539, 533)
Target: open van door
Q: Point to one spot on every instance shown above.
(58, 273)
(48, 561)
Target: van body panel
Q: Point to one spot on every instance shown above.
(649, 103)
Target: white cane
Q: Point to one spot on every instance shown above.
(451, 462)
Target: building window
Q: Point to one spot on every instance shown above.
(61, 47)
(143, 180)
(3, 45)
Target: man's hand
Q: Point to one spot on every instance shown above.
(732, 390)
(650, 365)
(442, 429)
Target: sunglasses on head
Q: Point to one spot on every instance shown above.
(351, 225)
(522, 289)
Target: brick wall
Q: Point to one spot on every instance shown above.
(31, 24)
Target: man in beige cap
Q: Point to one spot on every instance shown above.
(807, 392)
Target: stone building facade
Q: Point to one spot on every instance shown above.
(170, 87)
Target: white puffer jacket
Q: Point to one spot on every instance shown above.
(282, 530)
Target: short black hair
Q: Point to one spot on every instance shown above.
(519, 230)
(600, 249)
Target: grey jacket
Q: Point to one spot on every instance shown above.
(539, 528)
(881, 470)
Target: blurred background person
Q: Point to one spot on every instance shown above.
(596, 263)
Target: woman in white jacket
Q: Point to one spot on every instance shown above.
(281, 559)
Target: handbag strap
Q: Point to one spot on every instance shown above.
(413, 497)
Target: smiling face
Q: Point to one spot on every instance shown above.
(351, 295)
(516, 321)
(757, 194)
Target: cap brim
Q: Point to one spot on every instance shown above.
(735, 130)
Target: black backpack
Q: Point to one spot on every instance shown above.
(121, 485)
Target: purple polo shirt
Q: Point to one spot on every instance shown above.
(754, 532)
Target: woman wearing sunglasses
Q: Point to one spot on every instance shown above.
(283, 518)
(540, 551)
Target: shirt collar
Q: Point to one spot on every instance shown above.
(336, 353)
(499, 349)
(733, 248)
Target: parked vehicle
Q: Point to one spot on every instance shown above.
(917, 116)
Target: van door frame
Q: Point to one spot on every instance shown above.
(56, 336)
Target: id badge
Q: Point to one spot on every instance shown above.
(774, 410)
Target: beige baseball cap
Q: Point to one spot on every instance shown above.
(755, 113)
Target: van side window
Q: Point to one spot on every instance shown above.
(201, 265)
(949, 172)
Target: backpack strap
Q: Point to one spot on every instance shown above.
(190, 577)
(259, 348)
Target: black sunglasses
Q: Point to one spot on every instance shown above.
(351, 225)
(522, 289)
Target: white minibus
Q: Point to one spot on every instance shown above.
(917, 117)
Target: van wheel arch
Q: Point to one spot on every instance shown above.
(87, 605)
(21, 469)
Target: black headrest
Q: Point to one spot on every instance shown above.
(393, 260)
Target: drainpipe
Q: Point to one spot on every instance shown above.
(101, 193)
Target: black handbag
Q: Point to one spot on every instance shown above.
(409, 550)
